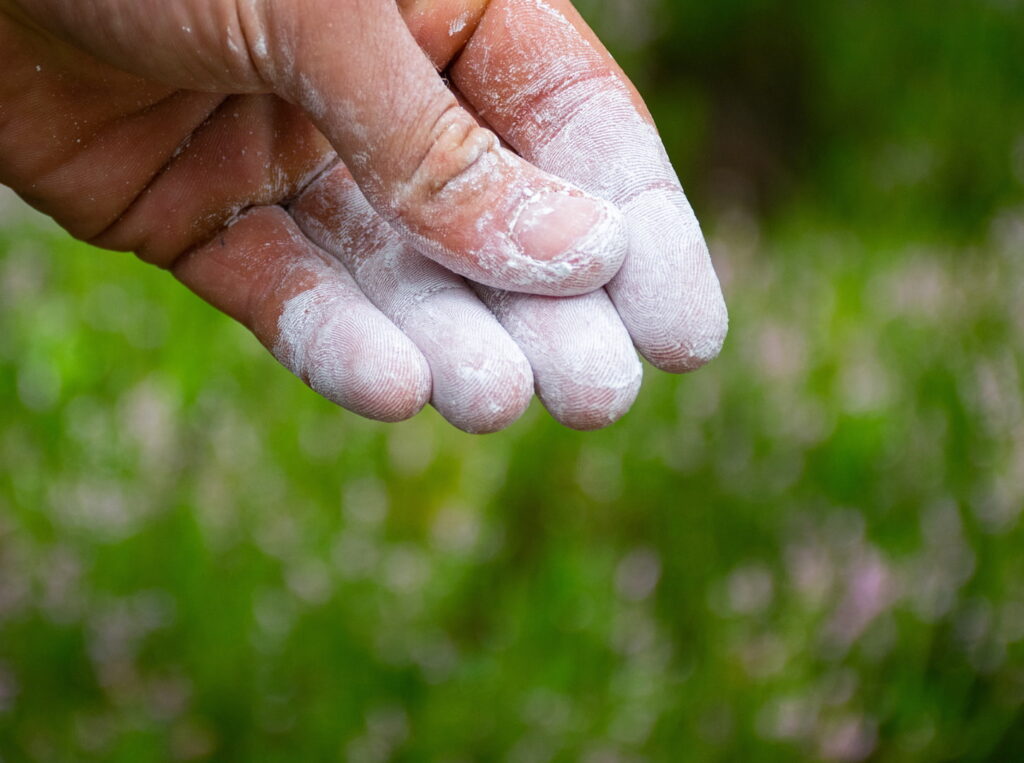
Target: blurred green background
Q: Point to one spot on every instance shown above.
(811, 550)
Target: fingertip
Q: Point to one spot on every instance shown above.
(690, 342)
(587, 402)
(352, 355)
(387, 387)
(310, 313)
(482, 381)
(587, 372)
(485, 399)
(667, 292)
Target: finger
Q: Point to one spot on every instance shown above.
(482, 381)
(445, 183)
(305, 308)
(357, 71)
(586, 369)
(588, 374)
(538, 75)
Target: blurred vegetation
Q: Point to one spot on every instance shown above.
(811, 550)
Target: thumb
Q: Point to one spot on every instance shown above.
(422, 161)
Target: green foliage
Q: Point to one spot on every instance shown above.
(811, 549)
(891, 115)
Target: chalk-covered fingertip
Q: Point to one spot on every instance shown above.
(385, 384)
(691, 343)
(487, 400)
(589, 404)
(349, 353)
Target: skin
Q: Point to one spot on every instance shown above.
(250, 148)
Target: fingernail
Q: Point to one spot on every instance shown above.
(554, 225)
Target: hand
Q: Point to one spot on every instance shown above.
(257, 150)
(535, 69)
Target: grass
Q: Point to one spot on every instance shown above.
(812, 549)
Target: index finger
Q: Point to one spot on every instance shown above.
(537, 74)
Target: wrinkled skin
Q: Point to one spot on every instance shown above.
(293, 163)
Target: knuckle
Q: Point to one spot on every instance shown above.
(452, 165)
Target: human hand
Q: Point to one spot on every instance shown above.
(261, 266)
(535, 69)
